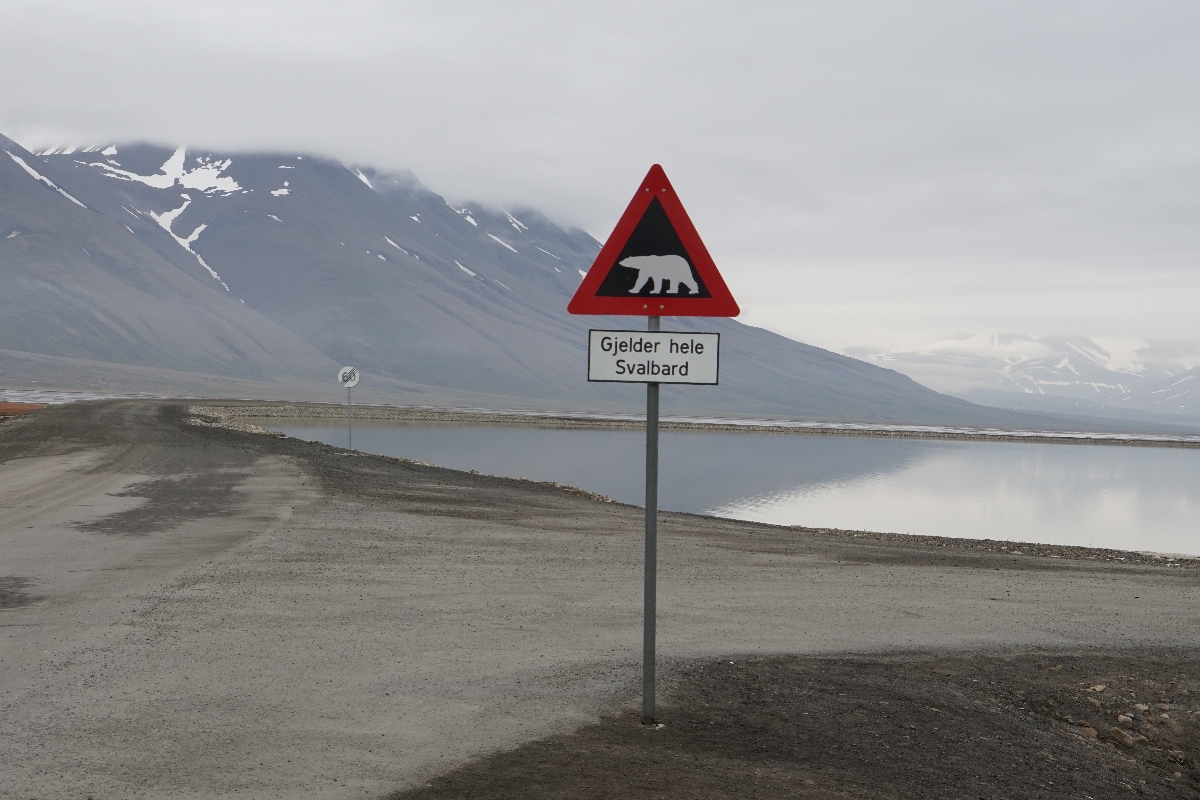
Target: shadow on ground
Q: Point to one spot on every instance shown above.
(12, 591)
(962, 726)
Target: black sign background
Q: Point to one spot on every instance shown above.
(653, 236)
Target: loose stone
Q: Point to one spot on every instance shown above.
(1120, 737)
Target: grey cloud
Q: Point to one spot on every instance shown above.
(957, 142)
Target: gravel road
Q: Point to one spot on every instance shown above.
(189, 611)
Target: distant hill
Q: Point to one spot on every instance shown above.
(177, 271)
(1072, 375)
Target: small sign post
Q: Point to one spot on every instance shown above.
(653, 265)
(348, 377)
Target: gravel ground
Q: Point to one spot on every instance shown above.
(905, 726)
(189, 611)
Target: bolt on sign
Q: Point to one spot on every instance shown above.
(653, 265)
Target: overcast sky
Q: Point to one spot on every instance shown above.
(867, 175)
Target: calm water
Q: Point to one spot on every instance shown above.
(1133, 498)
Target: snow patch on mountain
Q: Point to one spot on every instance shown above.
(1066, 363)
(501, 241)
(393, 244)
(1181, 381)
(38, 177)
(464, 269)
(516, 223)
(465, 214)
(167, 218)
(206, 177)
(363, 178)
(1173, 391)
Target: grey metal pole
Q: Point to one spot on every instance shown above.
(651, 580)
(349, 423)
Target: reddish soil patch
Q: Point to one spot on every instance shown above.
(13, 409)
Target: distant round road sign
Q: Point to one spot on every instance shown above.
(348, 377)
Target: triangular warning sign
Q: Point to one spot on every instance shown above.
(654, 263)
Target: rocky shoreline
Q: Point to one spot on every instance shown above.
(438, 416)
(232, 416)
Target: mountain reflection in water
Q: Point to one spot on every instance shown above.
(1132, 498)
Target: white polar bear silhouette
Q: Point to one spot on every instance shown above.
(661, 268)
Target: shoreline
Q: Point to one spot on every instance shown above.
(209, 416)
(451, 416)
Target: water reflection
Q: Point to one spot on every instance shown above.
(1131, 498)
(699, 471)
(1138, 498)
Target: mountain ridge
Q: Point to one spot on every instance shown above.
(272, 269)
(1055, 374)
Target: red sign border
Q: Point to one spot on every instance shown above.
(721, 302)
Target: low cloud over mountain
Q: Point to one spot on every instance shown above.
(1132, 380)
(173, 270)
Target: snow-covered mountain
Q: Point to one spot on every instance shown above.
(95, 292)
(184, 271)
(1054, 374)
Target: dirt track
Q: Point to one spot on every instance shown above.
(191, 610)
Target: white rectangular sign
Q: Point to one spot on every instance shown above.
(658, 357)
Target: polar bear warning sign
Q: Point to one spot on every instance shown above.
(654, 263)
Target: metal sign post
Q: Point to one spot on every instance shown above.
(653, 265)
(650, 586)
(652, 358)
(348, 377)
